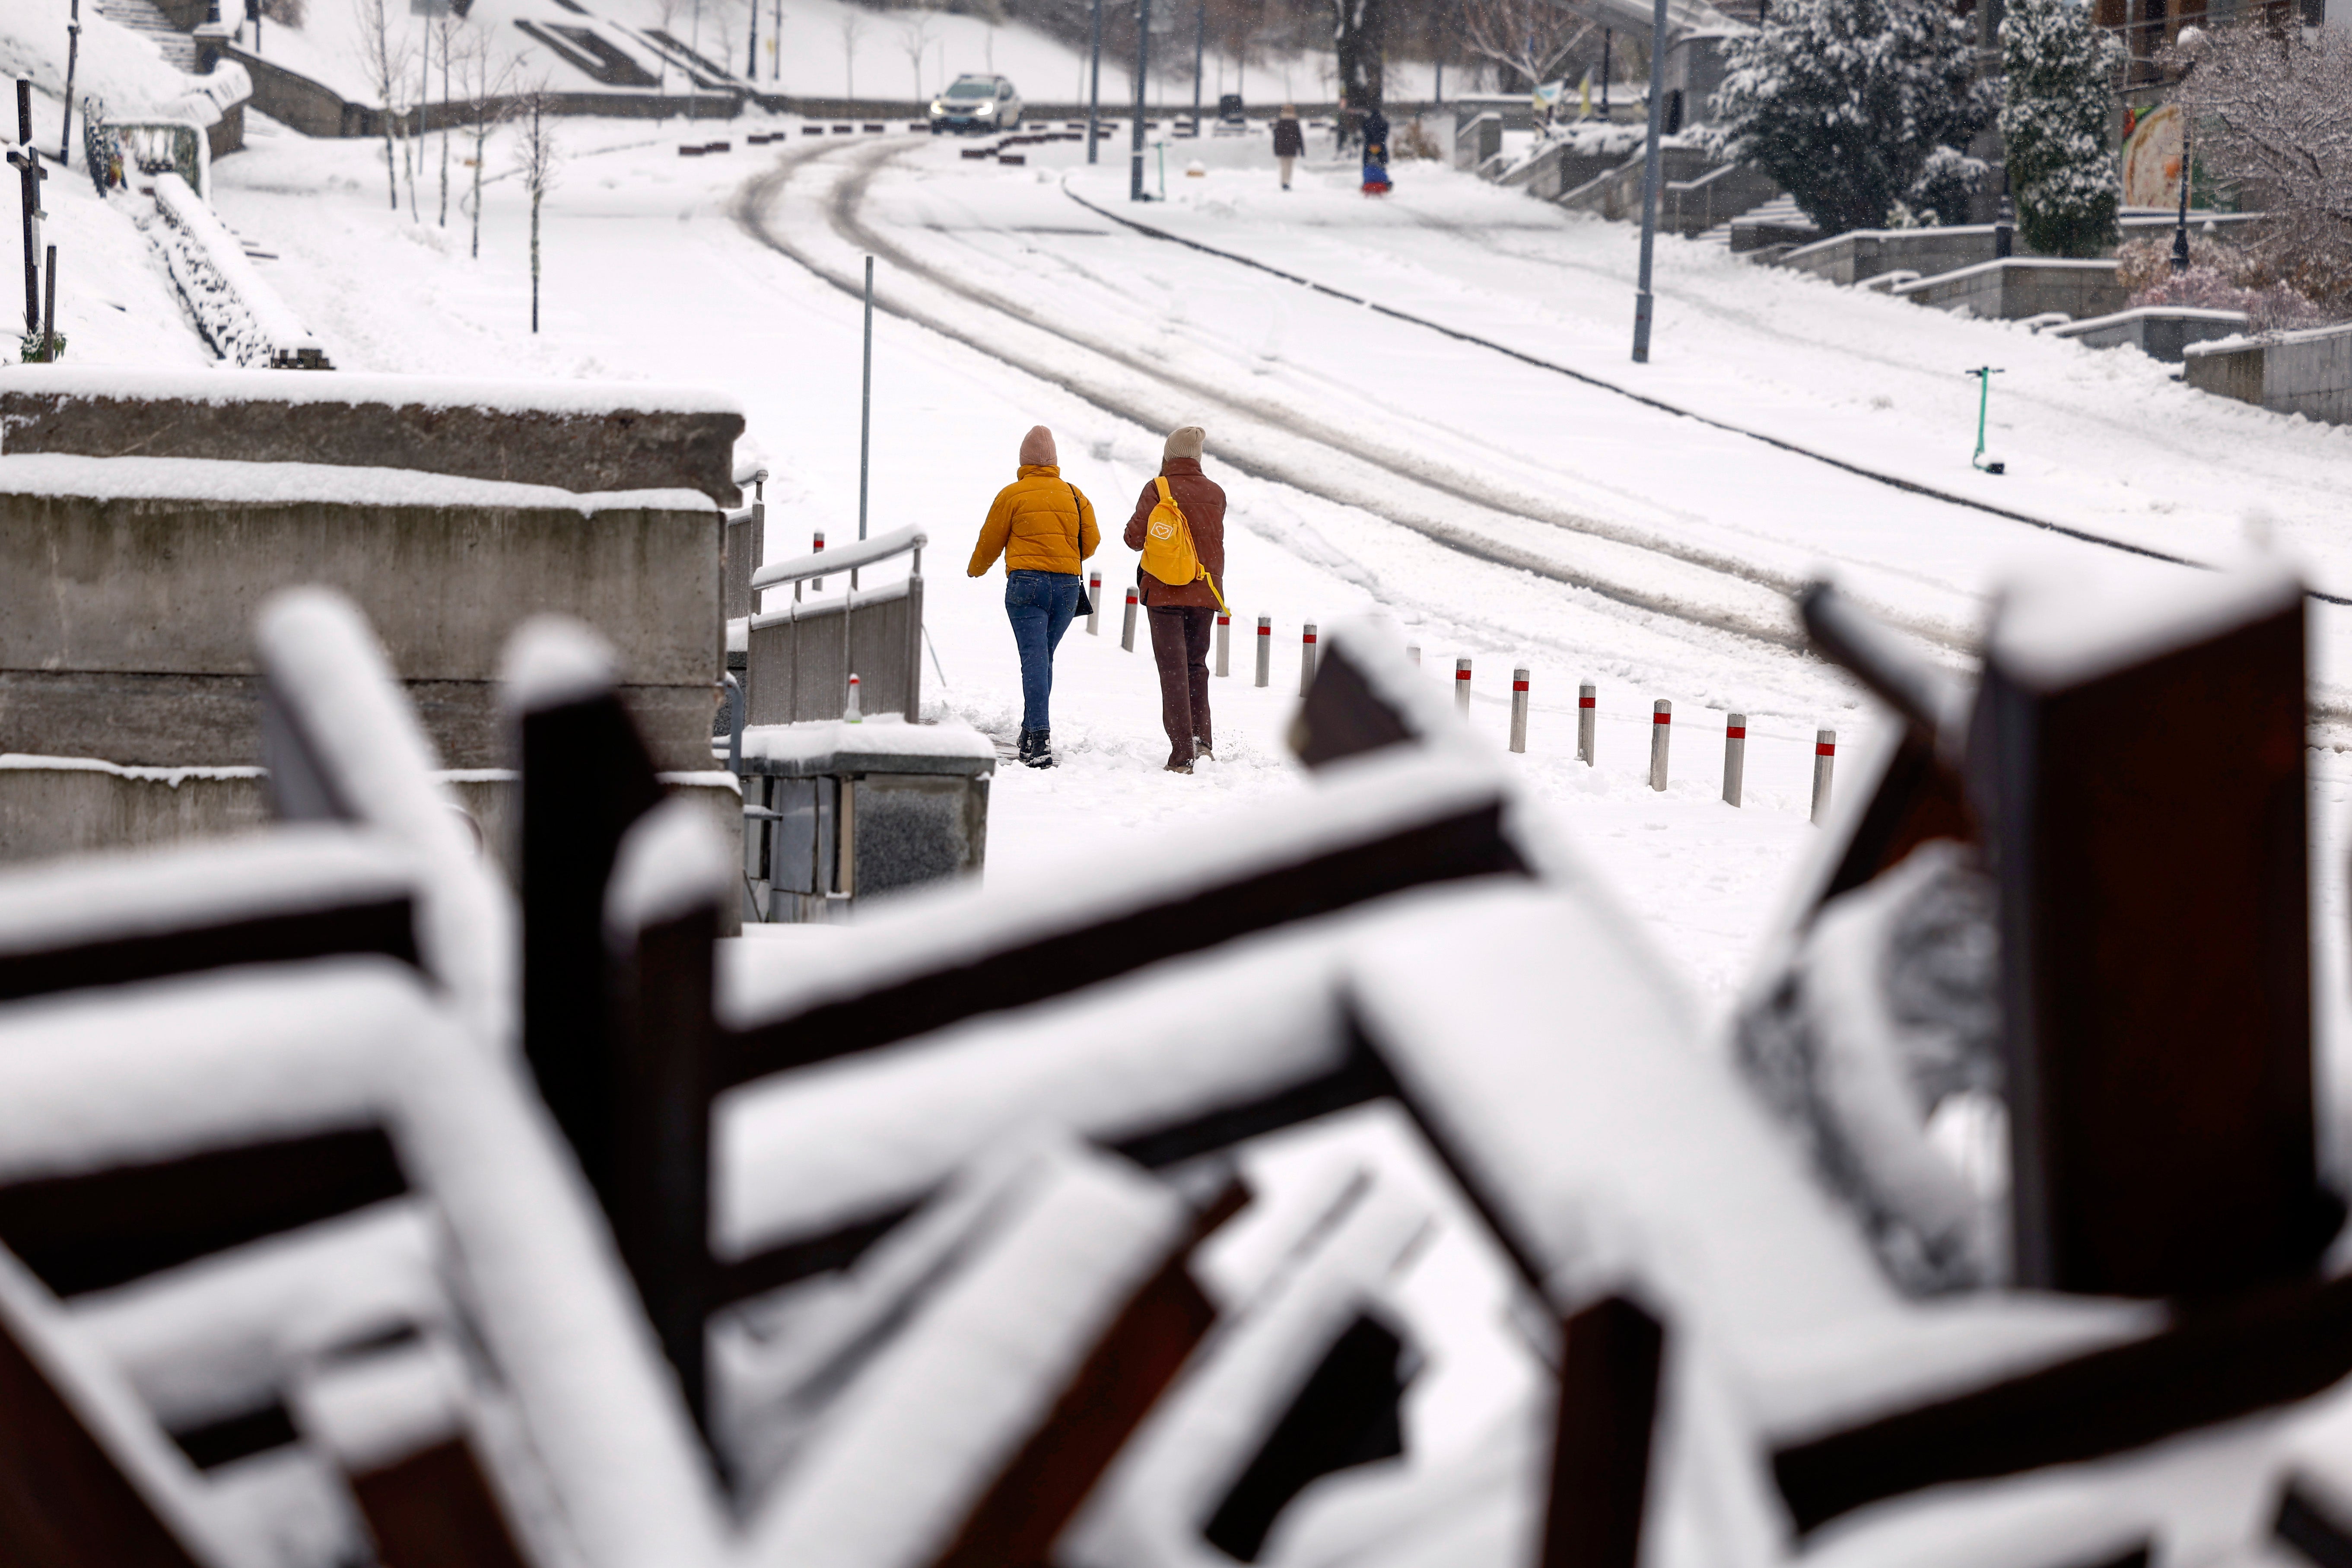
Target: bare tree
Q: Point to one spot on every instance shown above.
(485, 77)
(383, 57)
(537, 158)
(1524, 36)
(916, 28)
(852, 22)
(2271, 112)
(446, 27)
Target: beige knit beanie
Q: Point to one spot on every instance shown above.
(1186, 442)
(1037, 448)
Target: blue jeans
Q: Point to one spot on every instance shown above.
(1041, 606)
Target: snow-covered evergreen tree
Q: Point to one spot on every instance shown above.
(2061, 70)
(1845, 102)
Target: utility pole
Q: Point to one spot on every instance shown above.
(751, 47)
(29, 170)
(1651, 160)
(776, 46)
(1200, 52)
(1094, 92)
(1142, 68)
(73, 55)
(866, 411)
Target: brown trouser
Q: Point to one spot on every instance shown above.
(1286, 171)
(1180, 644)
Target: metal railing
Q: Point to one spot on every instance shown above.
(798, 661)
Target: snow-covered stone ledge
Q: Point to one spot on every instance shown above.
(2307, 373)
(2017, 287)
(127, 584)
(580, 436)
(2160, 332)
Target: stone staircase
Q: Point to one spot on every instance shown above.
(143, 18)
(1781, 208)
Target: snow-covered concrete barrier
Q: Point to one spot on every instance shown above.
(128, 583)
(239, 314)
(1866, 253)
(2307, 373)
(583, 437)
(2160, 332)
(2016, 286)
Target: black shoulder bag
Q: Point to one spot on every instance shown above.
(1085, 600)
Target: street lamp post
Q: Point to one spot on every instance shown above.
(1094, 93)
(1142, 67)
(2193, 44)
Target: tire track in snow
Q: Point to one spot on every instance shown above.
(1773, 625)
(1604, 384)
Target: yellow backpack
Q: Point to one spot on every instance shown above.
(1168, 549)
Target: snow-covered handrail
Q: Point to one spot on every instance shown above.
(241, 315)
(829, 562)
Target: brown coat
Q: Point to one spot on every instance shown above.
(1204, 510)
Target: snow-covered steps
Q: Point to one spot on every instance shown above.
(143, 17)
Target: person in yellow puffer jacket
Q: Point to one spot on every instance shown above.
(1044, 529)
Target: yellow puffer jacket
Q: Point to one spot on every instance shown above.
(1036, 522)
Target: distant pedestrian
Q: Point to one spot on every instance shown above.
(1289, 141)
(1182, 612)
(1376, 152)
(1044, 530)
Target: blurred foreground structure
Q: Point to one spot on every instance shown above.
(356, 1208)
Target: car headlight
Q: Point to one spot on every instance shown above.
(937, 108)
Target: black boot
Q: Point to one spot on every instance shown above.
(1041, 749)
(1028, 744)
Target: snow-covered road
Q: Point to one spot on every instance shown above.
(1490, 507)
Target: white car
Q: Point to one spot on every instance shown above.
(976, 103)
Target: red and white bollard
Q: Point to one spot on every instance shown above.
(1127, 633)
(1662, 722)
(1462, 687)
(1519, 709)
(1265, 650)
(1824, 763)
(849, 714)
(818, 549)
(1734, 756)
(1588, 704)
(1225, 644)
(1094, 604)
(1305, 658)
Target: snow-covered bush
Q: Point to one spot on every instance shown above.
(2221, 277)
(2060, 69)
(1845, 101)
(1940, 194)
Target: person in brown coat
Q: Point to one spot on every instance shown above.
(1183, 617)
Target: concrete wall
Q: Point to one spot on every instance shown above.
(1617, 194)
(54, 806)
(1866, 253)
(482, 431)
(2020, 286)
(2160, 332)
(2308, 374)
(123, 621)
